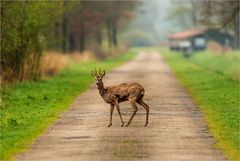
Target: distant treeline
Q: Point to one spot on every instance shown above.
(28, 27)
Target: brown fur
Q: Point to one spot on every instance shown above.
(113, 95)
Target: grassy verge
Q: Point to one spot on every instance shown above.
(29, 108)
(216, 94)
(227, 64)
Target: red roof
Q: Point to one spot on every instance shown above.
(186, 34)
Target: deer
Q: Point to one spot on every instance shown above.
(114, 95)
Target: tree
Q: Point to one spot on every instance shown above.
(184, 13)
(28, 27)
(88, 20)
(222, 14)
(116, 11)
(21, 27)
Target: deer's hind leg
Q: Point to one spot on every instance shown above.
(135, 109)
(146, 107)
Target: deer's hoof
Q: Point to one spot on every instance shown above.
(122, 124)
(128, 124)
(146, 124)
(109, 125)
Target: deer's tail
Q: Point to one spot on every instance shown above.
(141, 95)
(143, 92)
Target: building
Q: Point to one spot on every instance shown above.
(196, 39)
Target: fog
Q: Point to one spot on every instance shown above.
(155, 19)
(151, 20)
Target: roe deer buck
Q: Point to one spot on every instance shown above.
(113, 95)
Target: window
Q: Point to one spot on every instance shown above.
(200, 42)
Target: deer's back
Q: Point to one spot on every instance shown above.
(125, 87)
(125, 90)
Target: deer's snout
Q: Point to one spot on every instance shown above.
(98, 82)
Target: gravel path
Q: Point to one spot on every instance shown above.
(176, 129)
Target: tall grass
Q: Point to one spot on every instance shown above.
(53, 62)
(227, 64)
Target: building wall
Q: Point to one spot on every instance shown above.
(219, 37)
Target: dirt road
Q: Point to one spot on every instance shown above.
(176, 129)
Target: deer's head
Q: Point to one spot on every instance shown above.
(98, 75)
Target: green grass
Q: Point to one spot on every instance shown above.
(227, 64)
(215, 92)
(29, 108)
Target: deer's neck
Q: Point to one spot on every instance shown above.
(101, 89)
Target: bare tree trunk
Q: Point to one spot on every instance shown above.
(98, 36)
(114, 35)
(21, 71)
(237, 26)
(109, 35)
(65, 30)
(22, 46)
(57, 35)
(82, 37)
(82, 33)
(72, 43)
(194, 17)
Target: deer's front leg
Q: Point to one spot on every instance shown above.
(118, 109)
(111, 112)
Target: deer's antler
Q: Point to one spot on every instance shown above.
(94, 72)
(102, 73)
